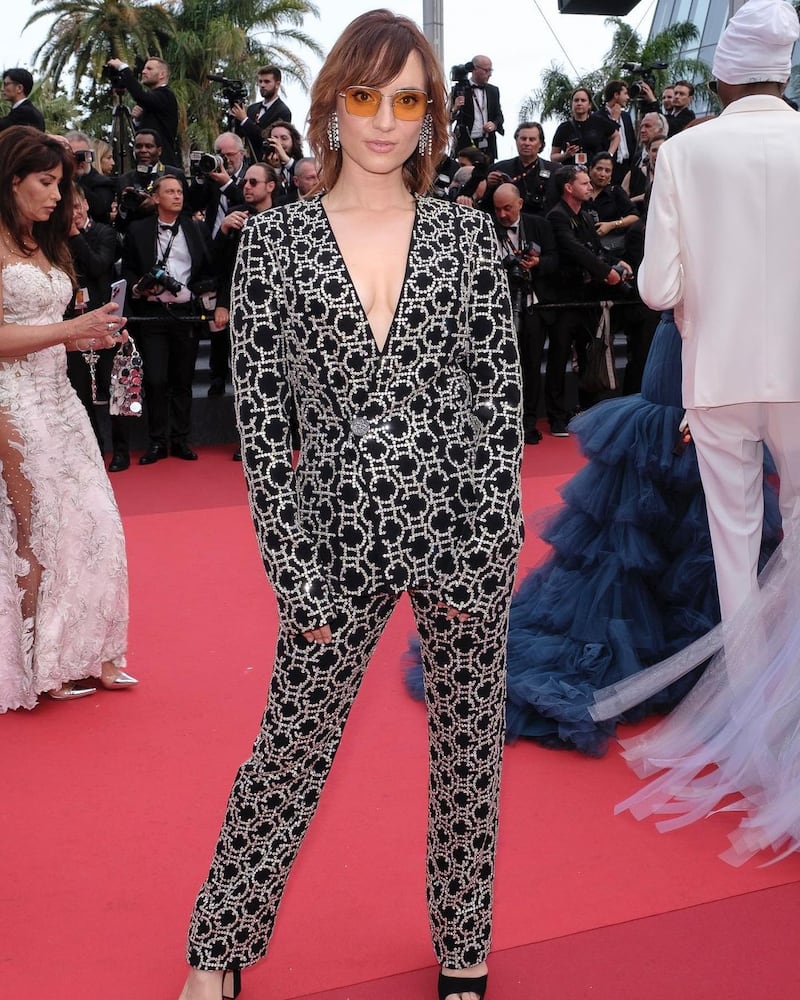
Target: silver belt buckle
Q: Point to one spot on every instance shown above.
(360, 426)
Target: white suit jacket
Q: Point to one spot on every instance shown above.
(721, 246)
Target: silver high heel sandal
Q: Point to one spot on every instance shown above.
(69, 693)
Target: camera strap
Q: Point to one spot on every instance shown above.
(162, 252)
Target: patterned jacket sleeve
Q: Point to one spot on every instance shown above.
(263, 408)
(488, 560)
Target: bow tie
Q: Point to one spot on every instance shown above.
(478, 86)
(164, 227)
(511, 229)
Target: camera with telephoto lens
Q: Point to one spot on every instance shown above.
(234, 91)
(202, 164)
(646, 75)
(512, 262)
(154, 278)
(460, 77)
(115, 77)
(131, 198)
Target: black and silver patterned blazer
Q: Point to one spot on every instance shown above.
(409, 466)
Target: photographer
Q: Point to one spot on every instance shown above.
(586, 273)
(636, 182)
(100, 191)
(217, 192)
(531, 174)
(134, 188)
(163, 257)
(679, 116)
(528, 254)
(156, 105)
(252, 122)
(468, 186)
(616, 98)
(94, 248)
(283, 147)
(475, 107)
(258, 188)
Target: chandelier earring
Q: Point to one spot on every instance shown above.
(333, 131)
(426, 136)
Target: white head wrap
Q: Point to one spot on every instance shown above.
(757, 43)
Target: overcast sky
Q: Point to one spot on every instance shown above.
(514, 34)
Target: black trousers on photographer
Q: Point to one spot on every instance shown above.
(169, 353)
(81, 378)
(531, 336)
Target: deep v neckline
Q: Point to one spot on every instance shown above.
(381, 351)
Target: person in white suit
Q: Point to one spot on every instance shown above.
(721, 248)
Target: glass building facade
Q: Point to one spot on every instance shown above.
(710, 17)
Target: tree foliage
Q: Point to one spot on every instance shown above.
(196, 37)
(552, 98)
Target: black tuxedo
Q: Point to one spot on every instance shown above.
(678, 121)
(168, 345)
(464, 119)
(24, 114)
(137, 179)
(258, 119)
(94, 252)
(621, 167)
(530, 323)
(205, 196)
(264, 117)
(100, 191)
(582, 270)
(159, 111)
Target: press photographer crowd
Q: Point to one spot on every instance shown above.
(162, 237)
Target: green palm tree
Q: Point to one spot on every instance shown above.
(196, 37)
(552, 98)
(232, 38)
(86, 33)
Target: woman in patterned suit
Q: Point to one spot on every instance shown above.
(385, 317)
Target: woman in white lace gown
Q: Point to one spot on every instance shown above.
(63, 574)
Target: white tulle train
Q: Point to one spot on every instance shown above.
(734, 742)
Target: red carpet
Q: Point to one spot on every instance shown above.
(110, 807)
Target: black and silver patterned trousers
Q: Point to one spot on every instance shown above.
(276, 791)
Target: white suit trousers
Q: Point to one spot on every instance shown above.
(730, 443)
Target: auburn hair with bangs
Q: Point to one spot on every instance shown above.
(372, 50)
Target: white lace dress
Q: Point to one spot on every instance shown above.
(59, 523)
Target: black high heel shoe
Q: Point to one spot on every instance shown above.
(449, 985)
(231, 984)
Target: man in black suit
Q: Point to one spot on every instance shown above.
(94, 247)
(528, 253)
(584, 274)
(219, 192)
(477, 121)
(134, 188)
(17, 84)
(216, 195)
(681, 114)
(99, 189)
(156, 104)
(532, 175)
(250, 123)
(616, 99)
(259, 188)
(171, 242)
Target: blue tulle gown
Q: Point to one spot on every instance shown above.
(630, 579)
